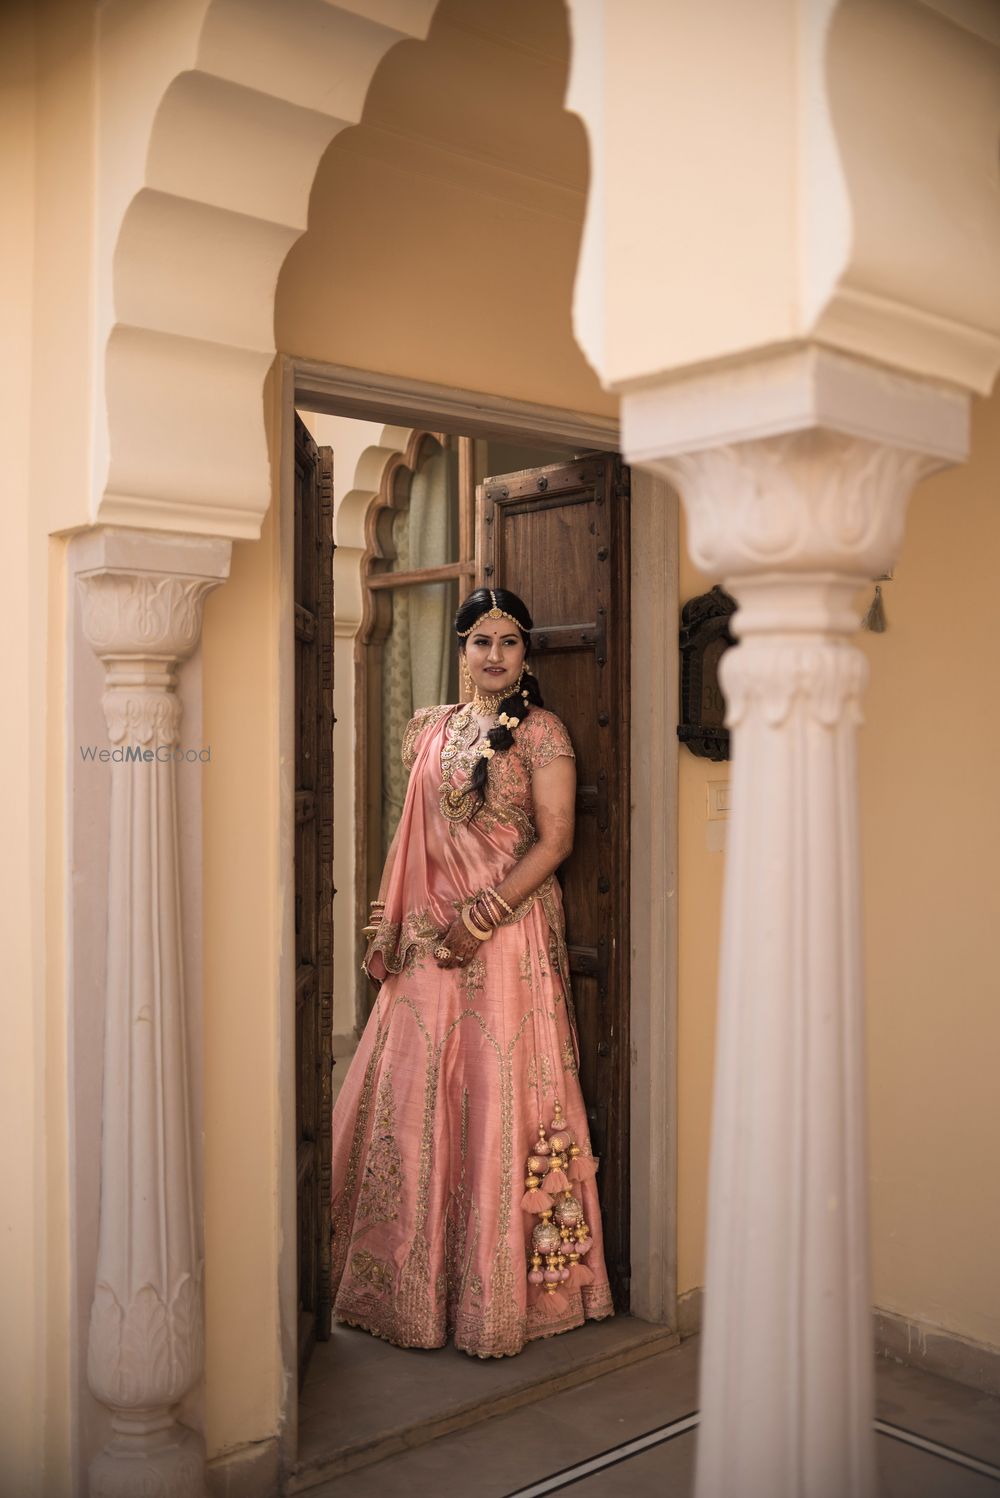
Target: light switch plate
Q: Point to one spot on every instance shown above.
(718, 800)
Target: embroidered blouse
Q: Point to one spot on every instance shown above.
(540, 738)
(475, 843)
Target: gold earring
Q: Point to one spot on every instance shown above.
(466, 676)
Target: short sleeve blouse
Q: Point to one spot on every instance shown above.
(541, 738)
(421, 719)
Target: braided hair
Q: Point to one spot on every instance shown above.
(470, 612)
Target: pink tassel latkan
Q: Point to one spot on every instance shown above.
(582, 1168)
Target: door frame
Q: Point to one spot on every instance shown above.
(396, 400)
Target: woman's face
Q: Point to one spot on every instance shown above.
(495, 654)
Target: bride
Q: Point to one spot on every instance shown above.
(464, 1198)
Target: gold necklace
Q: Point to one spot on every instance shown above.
(487, 702)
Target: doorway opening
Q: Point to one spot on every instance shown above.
(548, 518)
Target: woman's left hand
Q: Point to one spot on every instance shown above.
(462, 945)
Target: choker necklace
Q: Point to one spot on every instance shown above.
(487, 702)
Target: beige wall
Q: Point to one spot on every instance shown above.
(410, 275)
(931, 807)
(34, 1269)
(700, 859)
(931, 831)
(21, 1078)
(241, 922)
(449, 254)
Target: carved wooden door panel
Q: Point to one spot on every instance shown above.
(559, 537)
(313, 880)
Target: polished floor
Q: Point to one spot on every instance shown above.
(626, 1432)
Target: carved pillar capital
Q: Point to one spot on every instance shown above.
(809, 501)
(141, 624)
(149, 613)
(795, 524)
(142, 600)
(795, 478)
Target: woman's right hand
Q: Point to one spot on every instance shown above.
(462, 945)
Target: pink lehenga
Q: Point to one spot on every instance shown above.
(464, 1198)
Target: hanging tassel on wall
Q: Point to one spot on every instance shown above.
(875, 619)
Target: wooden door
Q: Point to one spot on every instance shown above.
(559, 537)
(313, 881)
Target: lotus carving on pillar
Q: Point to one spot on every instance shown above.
(149, 1352)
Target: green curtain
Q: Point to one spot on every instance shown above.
(418, 655)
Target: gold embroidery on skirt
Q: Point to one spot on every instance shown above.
(474, 979)
(557, 941)
(382, 1183)
(375, 1275)
(543, 1063)
(455, 1226)
(413, 1309)
(418, 1314)
(341, 1209)
(503, 1319)
(414, 1314)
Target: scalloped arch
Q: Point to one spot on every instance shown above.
(248, 95)
(371, 479)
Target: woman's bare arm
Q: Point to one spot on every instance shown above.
(553, 790)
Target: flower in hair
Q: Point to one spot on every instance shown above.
(487, 751)
(506, 721)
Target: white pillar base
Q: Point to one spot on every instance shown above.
(168, 1460)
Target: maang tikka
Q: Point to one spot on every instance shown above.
(496, 612)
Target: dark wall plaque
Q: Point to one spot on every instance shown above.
(704, 638)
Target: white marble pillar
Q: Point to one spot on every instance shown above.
(143, 595)
(794, 522)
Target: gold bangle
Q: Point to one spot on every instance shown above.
(486, 911)
(501, 899)
(480, 912)
(472, 929)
